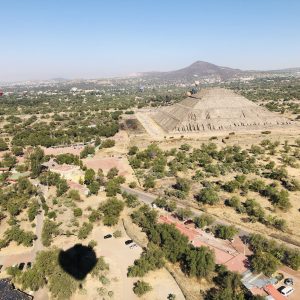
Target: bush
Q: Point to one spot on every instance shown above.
(77, 212)
(225, 232)
(233, 202)
(117, 234)
(111, 210)
(74, 195)
(141, 287)
(265, 263)
(184, 213)
(85, 230)
(208, 196)
(203, 220)
(151, 259)
(50, 229)
(107, 143)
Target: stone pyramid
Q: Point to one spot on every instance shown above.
(216, 109)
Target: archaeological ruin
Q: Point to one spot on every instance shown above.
(216, 109)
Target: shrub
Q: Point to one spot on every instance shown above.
(203, 220)
(208, 196)
(85, 230)
(141, 287)
(225, 232)
(77, 212)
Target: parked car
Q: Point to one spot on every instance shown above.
(286, 290)
(108, 236)
(1, 266)
(21, 266)
(128, 242)
(289, 281)
(29, 265)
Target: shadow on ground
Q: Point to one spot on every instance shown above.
(78, 261)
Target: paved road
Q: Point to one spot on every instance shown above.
(148, 198)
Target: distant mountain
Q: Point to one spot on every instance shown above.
(207, 71)
(199, 69)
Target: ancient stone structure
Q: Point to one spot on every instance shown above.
(216, 109)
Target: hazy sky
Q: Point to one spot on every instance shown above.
(42, 39)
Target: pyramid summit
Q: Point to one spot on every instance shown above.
(216, 109)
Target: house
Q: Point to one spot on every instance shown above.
(69, 172)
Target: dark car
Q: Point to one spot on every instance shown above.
(128, 242)
(289, 281)
(21, 266)
(1, 266)
(108, 236)
(29, 265)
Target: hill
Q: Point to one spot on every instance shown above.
(199, 69)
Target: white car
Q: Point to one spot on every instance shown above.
(286, 290)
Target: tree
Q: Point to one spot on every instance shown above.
(198, 262)
(3, 145)
(109, 143)
(88, 150)
(182, 184)
(112, 187)
(74, 195)
(149, 182)
(94, 187)
(225, 232)
(264, 262)
(17, 150)
(208, 196)
(33, 210)
(141, 287)
(20, 236)
(133, 150)
(203, 220)
(9, 160)
(111, 210)
(184, 213)
(61, 187)
(89, 176)
(49, 230)
(85, 230)
(151, 259)
(36, 159)
(113, 172)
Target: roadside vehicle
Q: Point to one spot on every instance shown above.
(289, 281)
(108, 236)
(29, 265)
(128, 242)
(286, 290)
(21, 266)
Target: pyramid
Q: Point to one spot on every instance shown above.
(216, 109)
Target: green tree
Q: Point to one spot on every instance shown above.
(111, 210)
(3, 145)
(208, 196)
(225, 232)
(264, 262)
(89, 176)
